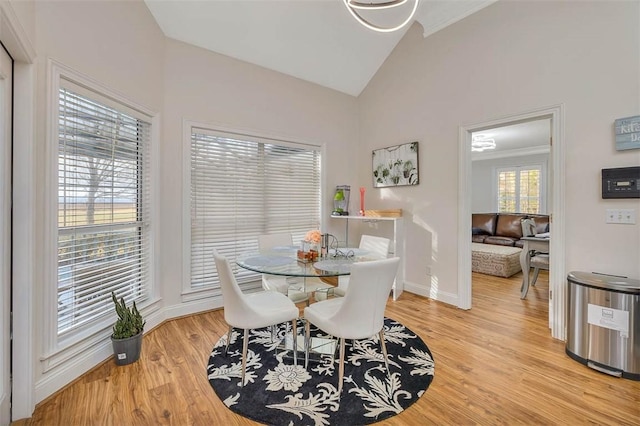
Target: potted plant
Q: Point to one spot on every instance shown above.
(406, 168)
(127, 332)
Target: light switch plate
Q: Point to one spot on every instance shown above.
(624, 216)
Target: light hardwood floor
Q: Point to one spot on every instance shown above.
(494, 364)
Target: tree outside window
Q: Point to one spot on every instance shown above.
(102, 193)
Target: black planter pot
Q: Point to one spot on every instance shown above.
(127, 351)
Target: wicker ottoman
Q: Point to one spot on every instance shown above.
(501, 261)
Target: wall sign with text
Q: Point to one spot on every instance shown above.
(628, 133)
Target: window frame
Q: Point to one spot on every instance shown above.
(189, 293)
(58, 349)
(517, 168)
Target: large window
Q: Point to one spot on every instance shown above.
(242, 187)
(103, 206)
(519, 189)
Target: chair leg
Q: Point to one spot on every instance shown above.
(384, 351)
(307, 338)
(536, 271)
(524, 289)
(341, 367)
(226, 348)
(294, 325)
(245, 345)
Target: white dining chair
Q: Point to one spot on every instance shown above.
(360, 313)
(280, 283)
(376, 247)
(250, 311)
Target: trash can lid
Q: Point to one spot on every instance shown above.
(605, 282)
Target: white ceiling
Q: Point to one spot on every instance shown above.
(532, 137)
(320, 42)
(314, 40)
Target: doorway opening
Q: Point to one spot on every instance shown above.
(554, 204)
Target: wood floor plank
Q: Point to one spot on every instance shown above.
(494, 364)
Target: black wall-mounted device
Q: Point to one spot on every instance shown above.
(623, 182)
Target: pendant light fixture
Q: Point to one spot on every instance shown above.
(481, 143)
(355, 7)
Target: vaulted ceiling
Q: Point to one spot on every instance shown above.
(314, 40)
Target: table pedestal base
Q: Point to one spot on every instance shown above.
(318, 347)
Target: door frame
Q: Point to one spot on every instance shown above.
(19, 45)
(557, 273)
(6, 117)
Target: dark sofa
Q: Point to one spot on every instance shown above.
(504, 229)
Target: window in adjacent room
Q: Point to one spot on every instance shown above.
(243, 186)
(103, 214)
(519, 189)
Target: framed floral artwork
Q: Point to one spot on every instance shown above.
(396, 165)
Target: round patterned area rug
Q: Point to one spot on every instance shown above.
(277, 392)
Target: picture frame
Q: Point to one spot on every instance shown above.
(395, 165)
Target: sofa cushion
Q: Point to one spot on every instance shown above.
(483, 223)
(478, 238)
(500, 240)
(509, 225)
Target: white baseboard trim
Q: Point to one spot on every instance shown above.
(193, 307)
(67, 372)
(416, 289)
(70, 371)
(431, 293)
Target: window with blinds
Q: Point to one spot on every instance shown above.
(519, 189)
(242, 187)
(103, 206)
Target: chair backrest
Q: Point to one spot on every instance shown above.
(379, 246)
(267, 241)
(236, 310)
(361, 314)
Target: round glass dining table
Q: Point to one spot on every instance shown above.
(284, 261)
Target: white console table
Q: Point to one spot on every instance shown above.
(397, 244)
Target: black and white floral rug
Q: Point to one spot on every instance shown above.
(277, 392)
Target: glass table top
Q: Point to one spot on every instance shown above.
(284, 261)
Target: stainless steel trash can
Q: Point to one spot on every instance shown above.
(603, 323)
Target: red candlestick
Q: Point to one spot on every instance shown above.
(362, 201)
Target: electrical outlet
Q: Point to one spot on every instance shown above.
(429, 270)
(625, 216)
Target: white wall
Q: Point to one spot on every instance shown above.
(509, 58)
(483, 196)
(217, 90)
(24, 12)
(120, 46)
(525, 56)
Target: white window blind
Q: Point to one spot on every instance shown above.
(519, 189)
(242, 187)
(103, 206)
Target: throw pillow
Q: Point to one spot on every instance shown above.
(528, 227)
